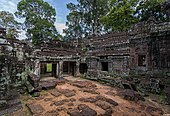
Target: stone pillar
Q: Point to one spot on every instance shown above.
(77, 68)
(37, 68)
(57, 69)
(61, 69)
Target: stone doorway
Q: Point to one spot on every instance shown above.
(83, 68)
(69, 68)
(49, 69)
(104, 66)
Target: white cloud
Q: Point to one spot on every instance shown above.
(60, 27)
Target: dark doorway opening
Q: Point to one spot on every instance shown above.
(69, 67)
(65, 67)
(83, 68)
(104, 66)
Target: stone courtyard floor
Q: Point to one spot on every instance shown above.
(80, 97)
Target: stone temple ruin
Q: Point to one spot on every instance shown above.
(143, 50)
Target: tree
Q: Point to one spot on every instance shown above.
(73, 23)
(166, 9)
(84, 18)
(8, 22)
(39, 20)
(121, 15)
(149, 8)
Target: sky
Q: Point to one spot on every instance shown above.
(59, 5)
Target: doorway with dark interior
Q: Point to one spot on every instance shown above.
(69, 67)
(83, 68)
(104, 66)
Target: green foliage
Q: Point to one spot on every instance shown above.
(49, 67)
(8, 22)
(84, 18)
(149, 8)
(121, 16)
(39, 20)
(124, 13)
(90, 17)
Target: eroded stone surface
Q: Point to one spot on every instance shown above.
(86, 110)
(92, 91)
(48, 84)
(110, 93)
(61, 102)
(90, 99)
(55, 93)
(74, 112)
(35, 108)
(108, 112)
(70, 104)
(60, 109)
(131, 95)
(70, 94)
(48, 99)
(154, 111)
(112, 102)
(72, 99)
(84, 84)
(51, 113)
(102, 104)
(61, 81)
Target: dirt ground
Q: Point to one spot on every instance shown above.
(78, 97)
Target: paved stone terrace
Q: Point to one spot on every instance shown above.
(80, 97)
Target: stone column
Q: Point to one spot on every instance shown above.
(60, 69)
(57, 69)
(37, 68)
(77, 68)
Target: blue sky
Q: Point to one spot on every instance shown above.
(59, 5)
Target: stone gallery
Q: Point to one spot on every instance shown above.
(136, 61)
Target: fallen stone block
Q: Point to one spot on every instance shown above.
(110, 101)
(48, 99)
(131, 95)
(102, 104)
(90, 99)
(92, 91)
(36, 109)
(74, 112)
(110, 93)
(48, 84)
(70, 94)
(70, 104)
(154, 111)
(60, 109)
(61, 81)
(84, 84)
(55, 93)
(86, 110)
(61, 102)
(72, 100)
(108, 112)
(51, 113)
